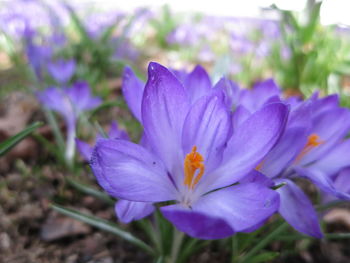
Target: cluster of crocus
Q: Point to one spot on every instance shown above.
(223, 157)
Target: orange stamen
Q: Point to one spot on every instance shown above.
(312, 141)
(193, 162)
(259, 166)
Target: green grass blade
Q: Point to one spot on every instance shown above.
(90, 191)
(11, 142)
(103, 225)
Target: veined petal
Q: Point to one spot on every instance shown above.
(197, 224)
(207, 126)
(128, 171)
(133, 88)
(322, 181)
(230, 90)
(256, 177)
(249, 144)
(242, 206)
(255, 98)
(164, 107)
(341, 183)
(297, 209)
(128, 211)
(197, 83)
(284, 152)
(335, 160)
(326, 103)
(331, 127)
(239, 116)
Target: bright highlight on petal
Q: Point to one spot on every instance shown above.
(193, 162)
(312, 141)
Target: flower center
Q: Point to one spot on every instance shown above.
(193, 162)
(312, 141)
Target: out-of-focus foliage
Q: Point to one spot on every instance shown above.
(317, 56)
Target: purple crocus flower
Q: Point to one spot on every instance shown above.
(62, 70)
(70, 103)
(312, 146)
(194, 159)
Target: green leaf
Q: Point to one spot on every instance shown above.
(103, 225)
(264, 242)
(90, 191)
(314, 18)
(78, 24)
(108, 32)
(264, 257)
(51, 147)
(11, 142)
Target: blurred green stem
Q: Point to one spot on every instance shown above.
(264, 242)
(177, 242)
(55, 129)
(235, 251)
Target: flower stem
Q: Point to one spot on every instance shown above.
(177, 242)
(264, 242)
(70, 146)
(234, 248)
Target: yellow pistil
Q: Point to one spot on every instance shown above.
(312, 141)
(193, 162)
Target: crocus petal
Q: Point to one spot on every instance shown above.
(301, 115)
(128, 211)
(297, 209)
(197, 224)
(57, 100)
(335, 160)
(242, 206)
(52, 98)
(164, 107)
(266, 89)
(239, 116)
(261, 92)
(326, 103)
(249, 144)
(341, 183)
(132, 91)
(81, 97)
(128, 171)
(62, 70)
(207, 126)
(285, 151)
(331, 127)
(84, 149)
(115, 132)
(197, 83)
(180, 74)
(323, 181)
(255, 176)
(231, 91)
